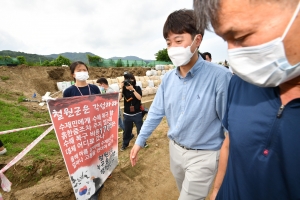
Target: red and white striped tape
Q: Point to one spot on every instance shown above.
(22, 129)
(5, 183)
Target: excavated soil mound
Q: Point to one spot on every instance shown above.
(28, 80)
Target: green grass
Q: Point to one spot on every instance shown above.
(14, 116)
(4, 78)
(21, 99)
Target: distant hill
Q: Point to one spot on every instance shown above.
(73, 56)
(130, 58)
(34, 58)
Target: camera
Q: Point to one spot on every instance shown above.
(127, 82)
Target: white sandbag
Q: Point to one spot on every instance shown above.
(156, 83)
(120, 79)
(90, 81)
(114, 80)
(141, 78)
(139, 83)
(109, 81)
(154, 90)
(145, 84)
(145, 92)
(63, 85)
(148, 73)
(154, 72)
(159, 67)
(151, 83)
(115, 87)
(59, 86)
(150, 90)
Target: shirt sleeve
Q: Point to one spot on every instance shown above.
(154, 117)
(66, 93)
(222, 94)
(96, 89)
(138, 90)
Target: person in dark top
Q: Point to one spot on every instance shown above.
(79, 72)
(132, 95)
(259, 158)
(207, 56)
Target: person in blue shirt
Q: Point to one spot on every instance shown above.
(193, 98)
(259, 158)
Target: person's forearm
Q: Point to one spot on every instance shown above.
(137, 95)
(224, 152)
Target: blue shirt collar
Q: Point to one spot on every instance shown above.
(193, 70)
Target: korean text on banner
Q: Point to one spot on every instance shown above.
(86, 128)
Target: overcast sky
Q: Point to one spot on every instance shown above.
(106, 28)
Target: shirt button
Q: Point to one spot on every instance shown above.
(266, 152)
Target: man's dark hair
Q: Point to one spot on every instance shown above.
(102, 80)
(202, 55)
(207, 53)
(182, 21)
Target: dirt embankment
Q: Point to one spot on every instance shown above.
(28, 80)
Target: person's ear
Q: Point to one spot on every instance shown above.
(198, 40)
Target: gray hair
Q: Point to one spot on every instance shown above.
(206, 12)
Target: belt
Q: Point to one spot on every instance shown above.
(186, 148)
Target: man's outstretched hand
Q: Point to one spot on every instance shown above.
(133, 154)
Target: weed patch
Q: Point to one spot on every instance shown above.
(4, 78)
(17, 116)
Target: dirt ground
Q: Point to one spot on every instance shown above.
(149, 179)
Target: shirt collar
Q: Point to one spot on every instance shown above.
(193, 70)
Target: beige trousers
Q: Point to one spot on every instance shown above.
(193, 170)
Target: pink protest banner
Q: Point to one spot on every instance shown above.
(86, 128)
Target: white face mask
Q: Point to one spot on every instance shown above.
(81, 76)
(102, 90)
(264, 65)
(180, 55)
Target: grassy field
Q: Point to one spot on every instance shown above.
(14, 115)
